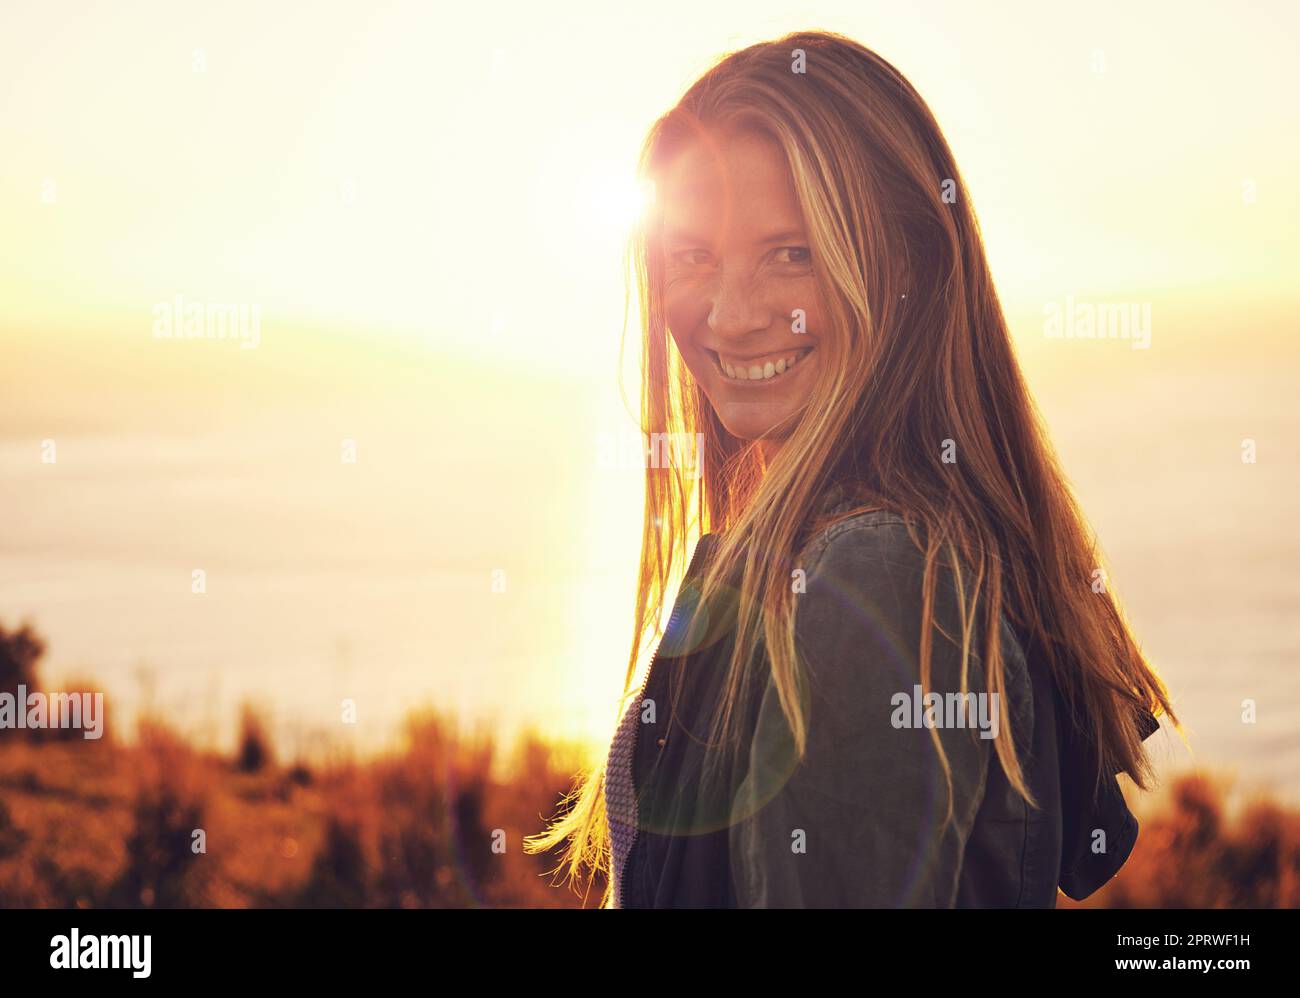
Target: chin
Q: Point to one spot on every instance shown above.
(754, 420)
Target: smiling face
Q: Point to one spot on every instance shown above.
(737, 268)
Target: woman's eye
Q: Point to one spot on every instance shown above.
(793, 254)
(692, 257)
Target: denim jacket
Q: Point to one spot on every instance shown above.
(859, 822)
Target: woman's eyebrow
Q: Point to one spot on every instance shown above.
(674, 234)
(786, 236)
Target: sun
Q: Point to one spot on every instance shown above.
(588, 198)
(621, 203)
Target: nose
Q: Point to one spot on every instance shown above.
(738, 307)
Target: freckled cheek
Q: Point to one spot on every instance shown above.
(687, 316)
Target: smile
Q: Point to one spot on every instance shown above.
(758, 369)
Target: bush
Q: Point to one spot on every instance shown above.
(255, 753)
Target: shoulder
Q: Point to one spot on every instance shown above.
(861, 583)
(864, 589)
(874, 545)
(880, 520)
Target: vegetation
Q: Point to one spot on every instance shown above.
(160, 823)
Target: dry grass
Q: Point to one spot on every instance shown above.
(159, 824)
(96, 824)
(1196, 850)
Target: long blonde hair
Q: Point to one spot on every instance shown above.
(916, 359)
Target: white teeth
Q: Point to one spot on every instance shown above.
(760, 372)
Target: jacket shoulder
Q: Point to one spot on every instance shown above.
(875, 551)
(875, 532)
(876, 558)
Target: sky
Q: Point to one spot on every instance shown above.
(426, 206)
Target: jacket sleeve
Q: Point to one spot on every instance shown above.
(860, 821)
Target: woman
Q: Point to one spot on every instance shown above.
(893, 674)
